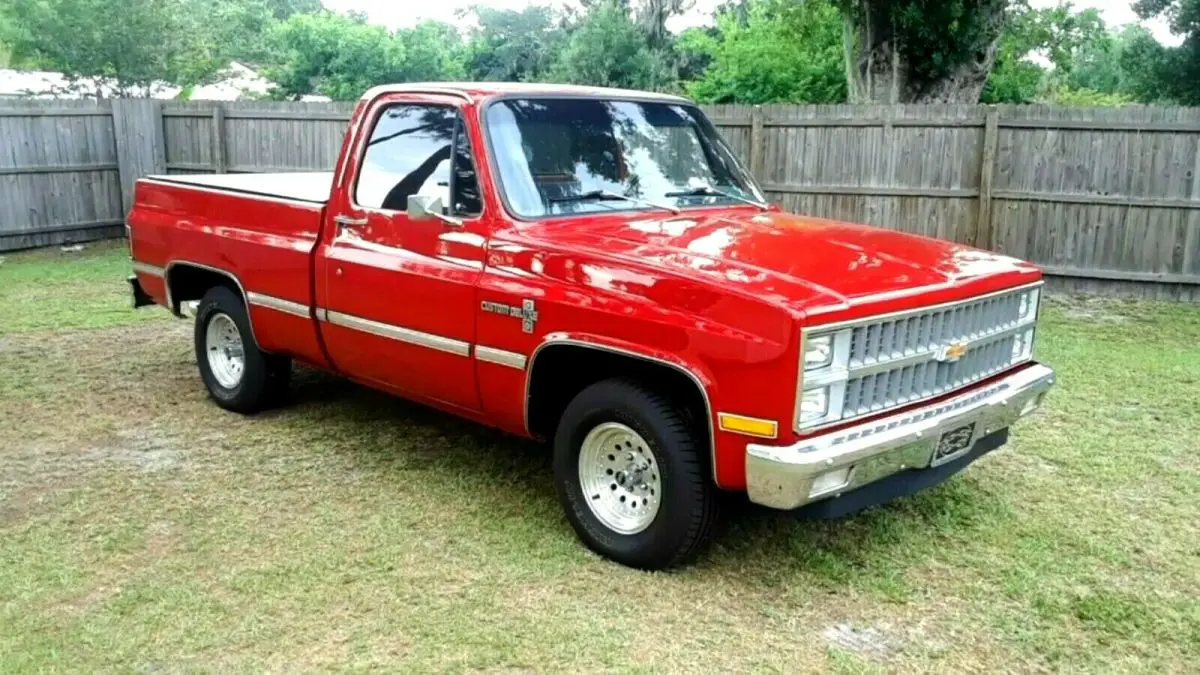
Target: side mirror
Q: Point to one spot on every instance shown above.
(424, 207)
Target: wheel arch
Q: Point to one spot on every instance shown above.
(548, 391)
(187, 280)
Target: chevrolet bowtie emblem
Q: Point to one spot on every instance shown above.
(951, 351)
(526, 312)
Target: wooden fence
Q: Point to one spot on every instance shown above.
(1105, 199)
(58, 173)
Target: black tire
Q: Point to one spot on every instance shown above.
(688, 515)
(264, 378)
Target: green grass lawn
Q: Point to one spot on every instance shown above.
(142, 528)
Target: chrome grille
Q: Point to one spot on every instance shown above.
(892, 339)
(906, 357)
(984, 324)
(897, 386)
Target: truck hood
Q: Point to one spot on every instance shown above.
(810, 264)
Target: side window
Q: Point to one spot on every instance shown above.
(410, 152)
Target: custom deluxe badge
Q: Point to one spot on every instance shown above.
(526, 312)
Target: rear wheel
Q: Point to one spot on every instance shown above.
(239, 376)
(631, 475)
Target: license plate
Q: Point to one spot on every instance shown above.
(953, 442)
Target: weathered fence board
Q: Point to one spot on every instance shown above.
(1106, 199)
(141, 148)
(58, 173)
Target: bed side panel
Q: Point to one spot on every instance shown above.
(265, 243)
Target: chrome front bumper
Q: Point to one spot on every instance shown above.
(831, 464)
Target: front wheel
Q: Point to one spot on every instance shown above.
(631, 474)
(238, 375)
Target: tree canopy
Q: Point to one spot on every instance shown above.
(754, 51)
(1176, 71)
(118, 41)
(774, 50)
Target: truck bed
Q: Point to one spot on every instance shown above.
(311, 187)
(259, 230)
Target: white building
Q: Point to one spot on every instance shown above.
(237, 82)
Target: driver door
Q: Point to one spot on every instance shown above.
(400, 294)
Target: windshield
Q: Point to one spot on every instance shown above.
(565, 156)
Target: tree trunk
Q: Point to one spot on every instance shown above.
(879, 70)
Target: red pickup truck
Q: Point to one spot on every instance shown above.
(595, 267)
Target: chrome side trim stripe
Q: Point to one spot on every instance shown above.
(408, 335)
(146, 268)
(500, 357)
(277, 304)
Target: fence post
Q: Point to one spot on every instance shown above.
(758, 144)
(218, 137)
(982, 237)
(141, 151)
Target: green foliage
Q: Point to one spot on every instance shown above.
(432, 51)
(1088, 64)
(335, 55)
(759, 50)
(1175, 71)
(1184, 15)
(607, 49)
(341, 55)
(937, 36)
(921, 51)
(133, 44)
(1086, 97)
(243, 25)
(775, 51)
(513, 46)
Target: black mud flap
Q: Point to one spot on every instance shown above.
(140, 297)
(900, 484)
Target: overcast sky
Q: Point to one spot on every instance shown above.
(403, 13)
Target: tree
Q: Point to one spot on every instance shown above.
(243, 25)
(652, 17)
(782, 51)
(921, 51)
(606, 49)
(433, 51)
(123, 46)
(512, 46)
(341, 55)
(1177, 68)
(1065, 38)
(336, 55)
(1014, 77)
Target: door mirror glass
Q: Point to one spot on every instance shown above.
(424, 207)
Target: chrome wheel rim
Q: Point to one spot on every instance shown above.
(620, 477)
(226, 354)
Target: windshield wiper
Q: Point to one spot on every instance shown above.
(709, 191)
(601, 195)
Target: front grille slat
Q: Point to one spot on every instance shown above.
(979, 322)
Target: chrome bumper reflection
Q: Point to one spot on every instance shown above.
(825, 465)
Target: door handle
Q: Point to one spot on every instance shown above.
(347, 221)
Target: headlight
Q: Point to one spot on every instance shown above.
(818, 352)
(1029, 305)
(1023, 346)
(814, 404)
